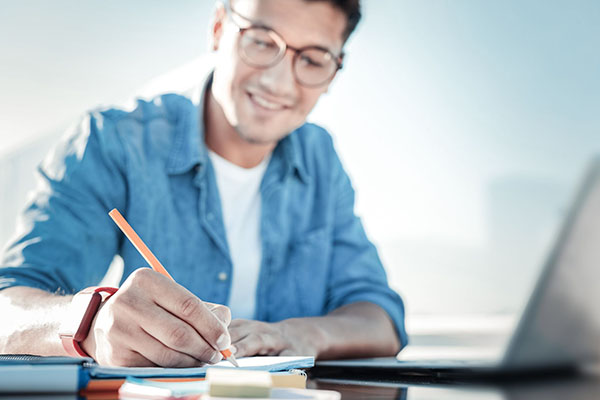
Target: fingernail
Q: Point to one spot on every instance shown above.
(223, 342)
(216, 358)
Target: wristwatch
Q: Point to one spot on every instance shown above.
(84, 306)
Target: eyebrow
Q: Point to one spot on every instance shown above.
(260, 24)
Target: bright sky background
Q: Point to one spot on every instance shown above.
(464, 124)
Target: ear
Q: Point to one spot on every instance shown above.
(341, 61)
(216, 26)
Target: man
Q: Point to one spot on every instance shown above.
(244, 203)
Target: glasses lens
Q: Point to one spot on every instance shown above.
(315, 66)
(260, 47)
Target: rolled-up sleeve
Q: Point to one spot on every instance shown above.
(65, 241)
(357, 273)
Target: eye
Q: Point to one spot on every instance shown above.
(262, 43)
(308, 61)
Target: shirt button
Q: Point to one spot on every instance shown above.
(222, 276)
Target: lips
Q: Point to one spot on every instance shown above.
(265, 103)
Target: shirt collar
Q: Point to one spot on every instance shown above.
(291, 153)
(189, 149)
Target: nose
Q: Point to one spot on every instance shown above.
(279, 78)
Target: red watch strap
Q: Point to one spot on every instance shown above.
(72, 347)
(71, 340)
(97, 289)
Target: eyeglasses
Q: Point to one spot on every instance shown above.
(262, 47)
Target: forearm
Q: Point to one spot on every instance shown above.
(356, 330)
(31, 321)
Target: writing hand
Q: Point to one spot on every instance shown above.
(286, 338)
(153, 321)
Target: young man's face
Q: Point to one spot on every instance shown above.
(265, 104)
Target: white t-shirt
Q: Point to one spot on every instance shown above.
(239, 189)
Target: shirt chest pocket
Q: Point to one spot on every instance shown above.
(304, 275)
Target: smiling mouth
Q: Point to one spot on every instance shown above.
(266, 104)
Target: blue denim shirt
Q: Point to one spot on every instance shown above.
(151, 163)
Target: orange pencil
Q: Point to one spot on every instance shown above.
(152, 260)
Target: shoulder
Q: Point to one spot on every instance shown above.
(313, 136)
(146, 129)
(161, 111)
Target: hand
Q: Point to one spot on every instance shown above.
(286, 338)
(153, 321)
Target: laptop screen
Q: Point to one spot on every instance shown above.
(561, 323)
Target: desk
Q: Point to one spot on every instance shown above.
(575, 388)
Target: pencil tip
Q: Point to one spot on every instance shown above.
(232, 360)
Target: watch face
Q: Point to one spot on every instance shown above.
(81, 313)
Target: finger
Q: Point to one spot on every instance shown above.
(239, 322)
(222, 312)
(153, 350)
(239, 329)
(141, 361)
(176, 334)
(242, 349)
(255, 344)
(116, 342)
(181, 303)
(131, 358)
(289, 353)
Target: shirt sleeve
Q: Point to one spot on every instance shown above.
(357, 273)
(65, 240)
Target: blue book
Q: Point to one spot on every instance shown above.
(24, 373)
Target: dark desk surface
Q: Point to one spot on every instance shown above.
(571, 388)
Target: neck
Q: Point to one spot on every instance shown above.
(223, 139)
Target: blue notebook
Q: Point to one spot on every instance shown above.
(24, 373)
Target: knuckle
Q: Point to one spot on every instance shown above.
(167, 358)
(179, 336)
(141, 275)
(225, 314)
(206, 354)
(189, 307)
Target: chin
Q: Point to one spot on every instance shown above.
(261, 138)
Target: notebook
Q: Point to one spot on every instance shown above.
(36, 374)
(259, 363)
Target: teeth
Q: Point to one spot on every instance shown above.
(266, 103)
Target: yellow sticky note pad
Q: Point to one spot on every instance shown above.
(229, 382)
(289, 379)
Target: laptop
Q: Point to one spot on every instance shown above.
(559, 328)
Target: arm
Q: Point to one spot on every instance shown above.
(363, 317)
(354, 330)
(31, 321)
(139, 326)
(66, 244)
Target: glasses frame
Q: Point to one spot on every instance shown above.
(283, 49)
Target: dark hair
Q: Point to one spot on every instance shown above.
(352, 10)
(349, 7)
